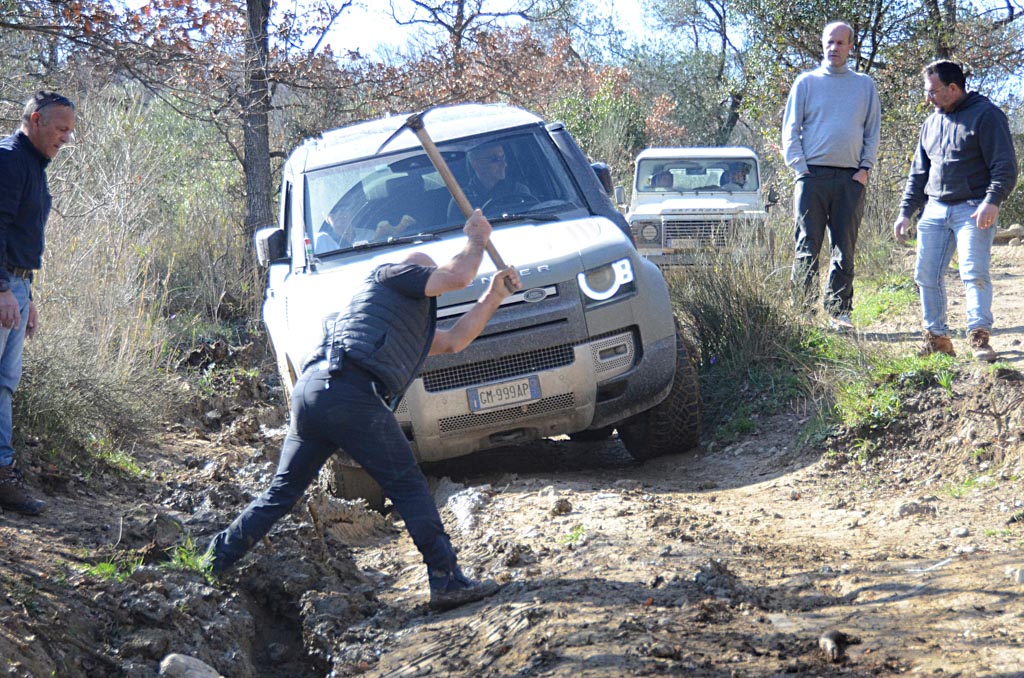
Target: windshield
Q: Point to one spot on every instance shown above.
(402, 195)
(681, 175)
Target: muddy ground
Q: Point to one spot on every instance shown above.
(905, 544)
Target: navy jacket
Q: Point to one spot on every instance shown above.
(966, 154)
(24, 204)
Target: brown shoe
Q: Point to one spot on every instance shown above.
(980, 347)
(14, 496)
(936, 343)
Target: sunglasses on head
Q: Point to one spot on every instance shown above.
(44, 99)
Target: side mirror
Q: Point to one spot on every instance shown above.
(620, 195)
(271, 245)
(773, 197)
(604, 175)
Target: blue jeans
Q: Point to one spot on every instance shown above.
(341, 412)
(942, 229)
(12, 342)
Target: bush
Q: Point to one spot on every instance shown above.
(756, 338)
(141, 218)
(737, 307)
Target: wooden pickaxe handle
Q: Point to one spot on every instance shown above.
(415, 123)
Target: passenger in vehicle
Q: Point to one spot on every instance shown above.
(335, 233)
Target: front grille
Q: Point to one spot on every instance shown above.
(463, 422)
(706, 233)
(499, 368)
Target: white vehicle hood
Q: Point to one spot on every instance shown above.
(542, 259)
(690, 205)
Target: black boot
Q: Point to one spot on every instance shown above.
(452, 589)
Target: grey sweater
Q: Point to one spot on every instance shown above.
(833, 117)
(966, 154)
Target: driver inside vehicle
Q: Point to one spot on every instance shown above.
(488, 180)
(735, 178)
(662, 179)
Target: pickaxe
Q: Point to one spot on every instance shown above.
(415, 123)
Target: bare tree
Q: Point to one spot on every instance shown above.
(214, 61)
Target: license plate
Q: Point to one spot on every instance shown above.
(505, 394)
(682, 243)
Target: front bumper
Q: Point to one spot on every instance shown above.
(589, 384)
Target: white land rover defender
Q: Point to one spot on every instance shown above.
(589, 344)
(688, 200)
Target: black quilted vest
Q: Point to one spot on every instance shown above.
(383, 332)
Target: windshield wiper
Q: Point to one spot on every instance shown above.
(522, 216)
(400, 240)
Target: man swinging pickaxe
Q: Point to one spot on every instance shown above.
(415, 123)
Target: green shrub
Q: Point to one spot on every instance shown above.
(756, 339)
(738, 310)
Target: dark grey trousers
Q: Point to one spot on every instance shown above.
(827, 199)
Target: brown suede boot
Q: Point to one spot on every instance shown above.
(980, 347)
(14, 496)
(936, 343)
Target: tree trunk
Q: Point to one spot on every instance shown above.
(731, 119)
(255, 118)
(941, 27)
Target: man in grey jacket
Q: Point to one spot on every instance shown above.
(830, 136)
(963, 170)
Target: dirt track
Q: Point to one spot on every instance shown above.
(731, 561)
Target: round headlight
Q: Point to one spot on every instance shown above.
(600, 280)
(649, 232)
(604, 282)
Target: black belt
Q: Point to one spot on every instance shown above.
(357, 372)
(23, 273)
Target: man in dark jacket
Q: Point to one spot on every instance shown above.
(370, 354)
(963, 170)
(47, 123)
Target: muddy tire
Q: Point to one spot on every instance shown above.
(352, 482)
(673, 425)
(594, 435)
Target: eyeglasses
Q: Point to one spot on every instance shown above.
(44, 99)
(930, 93)
(497, 159)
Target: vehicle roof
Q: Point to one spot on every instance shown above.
(362, 140)
(696, 152)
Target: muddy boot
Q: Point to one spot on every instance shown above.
(980, 347)
(936, 343)
(13, 494)
(452, 589)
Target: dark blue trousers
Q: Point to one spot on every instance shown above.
(341, 412)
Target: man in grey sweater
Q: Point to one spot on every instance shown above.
(830, 136)
(963, 170)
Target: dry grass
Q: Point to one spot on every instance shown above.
(131, 240)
